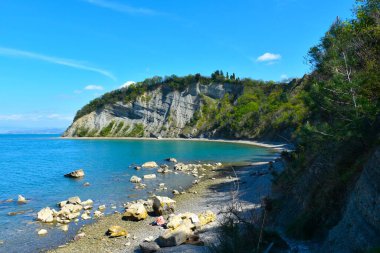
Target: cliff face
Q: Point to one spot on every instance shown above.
(359, 228)
(156, 113)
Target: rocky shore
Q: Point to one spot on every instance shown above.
(196, 214)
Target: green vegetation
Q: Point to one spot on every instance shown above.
(106, 131)
(342, 98)
(137, 131)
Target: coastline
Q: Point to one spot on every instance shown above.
(275, 146)
(214, 193)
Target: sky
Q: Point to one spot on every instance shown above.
(56, 56)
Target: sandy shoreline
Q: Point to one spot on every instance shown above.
(213, 193)
(276, 146)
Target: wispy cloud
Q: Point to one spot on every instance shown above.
(268, 57)
(35, 117)
(55, 60)
(126, 84)
(94, 87)
(120, 7)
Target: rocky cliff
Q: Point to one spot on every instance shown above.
(155, 113)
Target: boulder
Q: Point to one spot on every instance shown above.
(101, 207)
(87, 204)
(86, 184)
(21, 199)
(45, 215)
(175, 192)
(138, 168)
(206, 217)
(136, 211)
(149, 247)
(149, 165)
(42, 232)
(76, 174)
(64, 227)
(172, 160)
(163, 205)
(85, 216)
(62, 203)
(74, 200)
(174, 237)
(116, 231)
(135, 179)
(150, 176)
(188, 219)
(181, 167)
(98, 214)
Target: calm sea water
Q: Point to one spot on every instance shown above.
(34, 165)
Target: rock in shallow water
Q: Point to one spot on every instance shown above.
(135, 179)
(150, 176)
(149, 165)
(76, 174)
(45, 215)
(21, 199)
(42, 232)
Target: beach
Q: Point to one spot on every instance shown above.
(215, 194)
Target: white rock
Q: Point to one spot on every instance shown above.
(74, 200)
(42, 232)
(149, 165)
(135, 179)
(101, 207)
(21, 199)
(150, 176)
(45, 215)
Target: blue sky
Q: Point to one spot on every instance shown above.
(55, 56)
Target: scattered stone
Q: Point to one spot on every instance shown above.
(175, 192)
(45, 215)
(206, 217)
(74, 200)
(136, 211)
(149, 247)
(149, 165)
(161, 185)
(138, 168)
(116, 231)
(1, 242)
(174, 237)
(85, 216)
(62, 203)
(21, 199)
(79, 236)
(150, 176)
(164, 166)
(163, 205)
(87, 204)
(101, 207)
(64, 227)
(19, 212)
(9, 200)
(172, 160)
(98, 214)
(86, 184)
(127, 244)
(76, 174)
(42, 232)
(135, 179)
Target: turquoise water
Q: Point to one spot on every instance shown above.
(34, 165)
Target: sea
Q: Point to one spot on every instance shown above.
(34, 166)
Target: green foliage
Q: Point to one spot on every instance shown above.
(137, 131)
(106, 131)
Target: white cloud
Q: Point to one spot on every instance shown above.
(35, 117)
(94, 87)
(284, 77)
(126, 84)
(268, 57)
(60, 61)
(119, 7)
